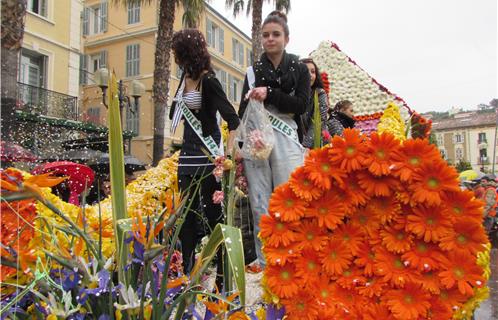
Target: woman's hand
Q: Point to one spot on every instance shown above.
(259, 94)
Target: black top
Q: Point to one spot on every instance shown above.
(213, 99)
(288, 86)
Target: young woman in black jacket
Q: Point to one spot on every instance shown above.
(198, 98)
(282, 83)
(340, 118)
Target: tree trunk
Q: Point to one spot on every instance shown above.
(13, 13)
(257, 13)
(162, 72)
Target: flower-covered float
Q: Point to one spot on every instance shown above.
(346, 80)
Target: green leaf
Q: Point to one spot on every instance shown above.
(232, 238)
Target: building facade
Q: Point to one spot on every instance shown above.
(468, 136)
(122, 38)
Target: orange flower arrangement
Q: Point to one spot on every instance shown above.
(377, 229)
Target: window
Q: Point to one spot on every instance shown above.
(221, 75)
(133, 12)
(249, 60)
(215, 36)
(132, 60)
(483, 156)
(237, 51)
(32, 68)
(482, 137)
(443, 153)
(133, 118)
(38, 7)
(98, 61)
(234, 88)
(93, 115)
(458, 138)
(459, 153)
(95, 19)
(440, 139)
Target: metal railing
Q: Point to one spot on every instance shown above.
(46, 102)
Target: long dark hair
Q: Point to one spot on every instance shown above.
(191, 52)
(278, 17)
(318, 76)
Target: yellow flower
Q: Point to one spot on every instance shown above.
(392, 122)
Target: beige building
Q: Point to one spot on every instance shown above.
(122, 38)
(468, 136)
(50, 56)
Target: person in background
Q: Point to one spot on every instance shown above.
(489, 197)
(282, 83)
(323, 106)
(340, 118)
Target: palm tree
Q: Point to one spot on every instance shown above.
(256, 7)
(162, 66)
(13, 13)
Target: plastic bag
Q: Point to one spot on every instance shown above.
(255, 132)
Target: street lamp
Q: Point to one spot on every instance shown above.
(137, 90)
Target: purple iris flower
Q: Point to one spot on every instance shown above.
(272, 313)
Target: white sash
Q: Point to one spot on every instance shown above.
(196, 125)
(277, 123)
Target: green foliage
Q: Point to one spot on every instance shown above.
(463, 165)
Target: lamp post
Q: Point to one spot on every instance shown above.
(137, 90)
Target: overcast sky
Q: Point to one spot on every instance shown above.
(435, 54)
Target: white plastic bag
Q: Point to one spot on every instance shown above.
(255, 132)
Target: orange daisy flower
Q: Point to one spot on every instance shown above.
(377, 186)
(282, 280)
(439, 310)
(466, 236)
(356, 194)
(428, 223)
(351, 278)
(303, 306)
(327, 210)
(396, 240)
(423, 255)
(281, 254)
(408, 303)
(392, 268)
(452, 298)
(276, 232)
(311, 236)
(381, 149)
(348, 151)
(321, 171)
(285, 205)
(366, 259)
(460, 270)
(431, 180)
(346, 300)
(307, 267)
(412, 154)
(302, 185)
(378, 311)
(365, 219)
(429, 281)
(323, 291)
(373, 287)
(350, 235)
(462, 205)
(342, 195)
(336, 257)
(384, 208)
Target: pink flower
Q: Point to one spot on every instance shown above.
(218, 173)
(218, 197)
(326, 135)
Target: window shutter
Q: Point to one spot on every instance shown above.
(86, 12)
(221, 40)
(137, 59)
(234, 49)
(103, 59)
(223, 80)
(230, 88)
(128, 60)
(103, 16)
(241, 54)
(209, 32)
(43, 8)
(83, 69)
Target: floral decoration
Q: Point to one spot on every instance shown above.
(374, 227)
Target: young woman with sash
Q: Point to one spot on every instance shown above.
(198, 98)
(282, 83)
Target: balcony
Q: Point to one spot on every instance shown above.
(40, 101)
